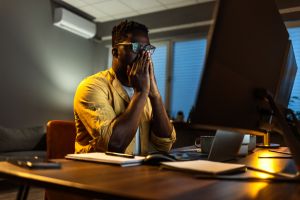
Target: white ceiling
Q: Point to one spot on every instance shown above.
(107, 10)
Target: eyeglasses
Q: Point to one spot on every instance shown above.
(137, 47)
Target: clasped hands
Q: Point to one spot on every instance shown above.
(141, 75)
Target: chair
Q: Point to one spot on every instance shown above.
(60, 138)
(60, 142)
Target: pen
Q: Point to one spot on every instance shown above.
(276, 174)
(248, 179)
(119, 154)
(282, 157)
(280, 152)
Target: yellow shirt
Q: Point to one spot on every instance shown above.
(98, 101)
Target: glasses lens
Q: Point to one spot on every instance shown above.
(135, 47)
(149, 48)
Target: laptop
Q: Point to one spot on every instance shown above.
(225, 147)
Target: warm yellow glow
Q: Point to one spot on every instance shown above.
(265, 164)
(255, 188)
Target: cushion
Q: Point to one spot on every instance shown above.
(24, 139)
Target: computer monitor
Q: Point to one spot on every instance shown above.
(248, 48)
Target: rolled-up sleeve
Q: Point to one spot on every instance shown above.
(163, 144)
(95, 113)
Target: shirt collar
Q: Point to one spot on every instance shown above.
(118, 86)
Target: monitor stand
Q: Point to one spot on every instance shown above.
(266, 142)
(266, 119)
(289, 125)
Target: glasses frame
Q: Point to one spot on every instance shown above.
(138, 47)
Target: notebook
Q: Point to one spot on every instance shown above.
(204, 166)
(103, 158)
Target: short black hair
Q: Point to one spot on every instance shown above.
(120, 31)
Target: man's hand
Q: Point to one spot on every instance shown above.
(161, 125)
(139, 74)
(126, 124)
(154, 92)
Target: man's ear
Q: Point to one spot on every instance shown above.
(114, 52)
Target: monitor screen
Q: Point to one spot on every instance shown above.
(248, 47)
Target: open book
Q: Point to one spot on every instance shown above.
(103, 158)
(204, 166)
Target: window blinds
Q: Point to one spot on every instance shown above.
(188, 63)
(159, 59)
(294, 103)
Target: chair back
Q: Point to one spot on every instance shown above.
(60, 142)
(60, 138)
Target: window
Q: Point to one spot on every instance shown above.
(188, 61)
(294, 103)
(160, 68)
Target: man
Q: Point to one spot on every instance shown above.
(120, 109)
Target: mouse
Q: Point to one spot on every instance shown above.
(156, 158)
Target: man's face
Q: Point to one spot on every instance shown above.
(126, 55)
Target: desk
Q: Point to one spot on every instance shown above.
(148, 182)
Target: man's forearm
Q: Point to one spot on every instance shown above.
(161, 124)
(127, 123)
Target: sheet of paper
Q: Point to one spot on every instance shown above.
(204, 166)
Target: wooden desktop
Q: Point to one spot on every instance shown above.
(149, 182)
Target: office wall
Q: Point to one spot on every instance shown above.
(40, 65)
